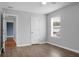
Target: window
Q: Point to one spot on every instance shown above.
(55, 26)
(9, 28)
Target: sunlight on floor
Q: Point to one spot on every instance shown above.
(55, 54)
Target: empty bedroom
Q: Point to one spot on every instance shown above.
(39, 29)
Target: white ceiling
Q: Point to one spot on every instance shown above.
(34, 7)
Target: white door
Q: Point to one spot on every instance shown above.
(35, 35)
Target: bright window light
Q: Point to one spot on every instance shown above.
(55, 26)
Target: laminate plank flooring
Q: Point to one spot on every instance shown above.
(38, 50)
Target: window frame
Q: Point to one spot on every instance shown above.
(55, 28)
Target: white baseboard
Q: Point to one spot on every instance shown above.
(76, 51)
(39, 43)
(30, 44)
(51, 44)
(23, 45)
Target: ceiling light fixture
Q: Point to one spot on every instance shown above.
(44, 3)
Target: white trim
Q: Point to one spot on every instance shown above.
(30, 44)
(16, 29)
(76, 51)
(7, 14)
(24, 45)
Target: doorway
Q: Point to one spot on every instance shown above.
(9, 31)
(10, 38)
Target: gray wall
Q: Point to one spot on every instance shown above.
(9, 29)
(24, 26)
(69, 27)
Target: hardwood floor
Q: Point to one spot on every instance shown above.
(10, 42)
(38, 50)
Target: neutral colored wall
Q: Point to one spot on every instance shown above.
(69, 27)
(23, 26)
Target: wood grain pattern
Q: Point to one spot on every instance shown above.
(39, 50)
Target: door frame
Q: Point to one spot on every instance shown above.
(4, 28)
